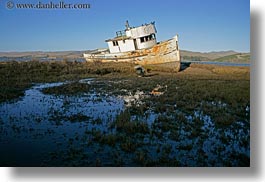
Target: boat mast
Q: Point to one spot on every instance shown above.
(127, 25)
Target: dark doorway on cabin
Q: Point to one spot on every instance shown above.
(135, 44)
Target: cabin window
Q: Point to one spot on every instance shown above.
(115, 43)
(147, 38)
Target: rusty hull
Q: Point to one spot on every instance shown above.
(165, 54)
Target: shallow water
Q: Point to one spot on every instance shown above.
(218, 63)
(33, 126)
(49, 130)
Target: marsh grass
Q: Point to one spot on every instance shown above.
(222, 93)
(69, 89)
(16, 77)
(124, 124)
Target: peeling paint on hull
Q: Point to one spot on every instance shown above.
(164, 54)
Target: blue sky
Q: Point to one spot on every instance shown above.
(202, 25)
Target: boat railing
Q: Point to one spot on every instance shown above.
(99, 56)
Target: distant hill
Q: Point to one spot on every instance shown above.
(36, 54)
(235, 58)
(222, 56)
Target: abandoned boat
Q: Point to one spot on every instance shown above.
(139, 46)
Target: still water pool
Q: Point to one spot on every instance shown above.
(60, 130)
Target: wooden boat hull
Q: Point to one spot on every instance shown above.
(165, 55)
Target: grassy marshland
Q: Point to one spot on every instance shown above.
(200, 118)
(15, 77)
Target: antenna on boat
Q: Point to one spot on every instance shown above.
(127, 25)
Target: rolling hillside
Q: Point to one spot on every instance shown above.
(222, 56)
(240, 57)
